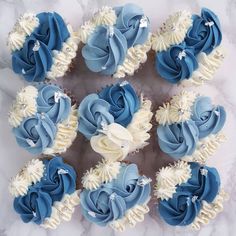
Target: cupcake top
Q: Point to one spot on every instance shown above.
(188, 194)
(188, 47)
(45, 192)
(44, 119)
(115, 194)
(116, 40)
(115, 120)
(189, 127)
(42, 46)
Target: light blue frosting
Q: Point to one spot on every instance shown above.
(172, 68)
(111, 200)
(123, 101)
(202, 37)
(208, 118)
(32, 65)
(178, 139)
(181, 209)
(128, 22)
(35, 206)
(93, 113)
(38, 128)
(105, 50)
(57, 111)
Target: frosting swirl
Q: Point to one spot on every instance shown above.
(205, 33)
(32, 61)
(54, 102)
(133, 24)
(105, 50)
(208, 119)
(178, 139)
(123, 100)
(35, 133)
(93, 115)
(176, 64)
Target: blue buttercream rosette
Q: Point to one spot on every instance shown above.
(188, 47)
(45, 192)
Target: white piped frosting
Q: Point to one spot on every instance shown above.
(91, 179)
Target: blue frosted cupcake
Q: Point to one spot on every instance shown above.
(116, 40)
(188, 194)
(115, 195)
(115, 120)
(188, 47)
(190, 127)
(42, 46)
(44, 119)
(45, 192)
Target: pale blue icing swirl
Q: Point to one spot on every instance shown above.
(93, 113)
(179, 139)
(129, 22)
(57, 108)
(105, 50)
(208, 118)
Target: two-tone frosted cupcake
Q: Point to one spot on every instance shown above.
(42, 46)
(115, 120)
(116, 40)
(188, 47)
(115, 195)
(45, 192)
(44, 119)
(190, 127)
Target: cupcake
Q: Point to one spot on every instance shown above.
(115, 120)
(42, 46)
(189, 194)
(115, 194)
(45, 192)
(116, 40)
(188, 47)
(190, 127)
(44, 119)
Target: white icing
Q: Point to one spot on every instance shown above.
(91, 179)
(163, 114)
(18, 186)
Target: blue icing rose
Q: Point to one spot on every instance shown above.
(33, 61)
(105, 50)
(60, 179)
(35, 133)
(205, 33)
(208, 118)
(35, 206)
(54, 102)
(102, 205)
(123, 100)
(93, 113)
(179, 139)
(52, 30)
(132, 23)
(176, 63)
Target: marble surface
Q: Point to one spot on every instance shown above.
(81, 82)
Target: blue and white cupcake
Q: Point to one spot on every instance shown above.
(189, 194)
(42, 46)
(44, 119)
(45, 192)
(188, 47)
(115, 120)
(190, 127)
(116, 40)
(115, 195)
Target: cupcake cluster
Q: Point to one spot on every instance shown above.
(44, 119)
(188, 47)
(116, 40)
(45, 192)
(42, 46)
(115, 120)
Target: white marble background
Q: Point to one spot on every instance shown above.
(82, 82)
